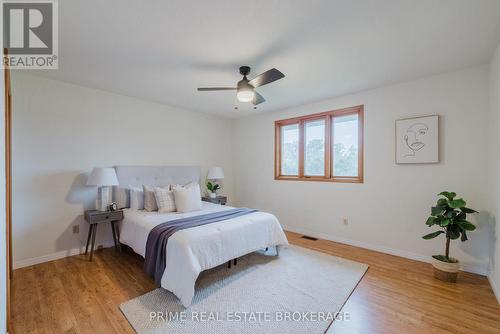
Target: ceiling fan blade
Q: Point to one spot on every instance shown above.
(266, 77)
(258, 99)
(215, 88)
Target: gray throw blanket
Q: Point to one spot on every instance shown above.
(156, 246)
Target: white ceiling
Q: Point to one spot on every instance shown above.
(163, 50)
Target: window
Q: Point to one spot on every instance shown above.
(290, 149)
(322, 147)
(345, 145)
(314, 148)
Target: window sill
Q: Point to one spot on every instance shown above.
(341, 179)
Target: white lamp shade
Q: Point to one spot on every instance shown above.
(102, 177)
(215, 173)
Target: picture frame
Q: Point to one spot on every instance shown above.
(417, 140)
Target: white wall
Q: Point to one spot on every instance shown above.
(389, 210)
(495, 165)
(61, 131)
(3, 249)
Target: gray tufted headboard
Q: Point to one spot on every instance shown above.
(151, 176)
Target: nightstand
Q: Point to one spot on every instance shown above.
(94, 218)
(222, 200)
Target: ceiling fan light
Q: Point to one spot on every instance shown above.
(245, 95)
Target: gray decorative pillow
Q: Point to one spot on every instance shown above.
(121, 196)
(165, 200)
(136, 198)
(149, 198)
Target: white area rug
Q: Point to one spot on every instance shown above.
(298, 292)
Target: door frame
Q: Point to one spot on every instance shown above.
(8, 186)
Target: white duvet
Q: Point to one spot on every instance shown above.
(193, 250)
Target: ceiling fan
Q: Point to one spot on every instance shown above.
(245, 89)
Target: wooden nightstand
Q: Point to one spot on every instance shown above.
(94, 217)
(222, 200)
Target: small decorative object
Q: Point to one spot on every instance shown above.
(417, 140)
(103, 178)
(213, 187)
(113, 206)
(214, 174)
(450, 215)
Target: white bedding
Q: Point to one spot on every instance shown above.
(193, 250)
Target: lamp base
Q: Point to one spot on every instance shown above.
(103, 198)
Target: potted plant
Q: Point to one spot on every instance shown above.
(213, 187)
(450, 215)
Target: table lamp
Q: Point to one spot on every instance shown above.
(103, 178)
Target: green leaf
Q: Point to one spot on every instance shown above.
(443, 258)
(454, 232)
(464, 236)
(467, 210)
(464, 224)
(432, 235)
(430, 221)
(442, 202)
(436, 210)
(461, 216)
(450, 214)
(445, 222)
(448, 195)
(457, 203)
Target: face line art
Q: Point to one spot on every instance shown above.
(413, 137)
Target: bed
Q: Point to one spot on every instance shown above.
(192, 250)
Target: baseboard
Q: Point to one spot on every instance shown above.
(46, 258)
(475, 269)
(494, 287)
(54, 256)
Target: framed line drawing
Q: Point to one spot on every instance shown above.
(417, 140)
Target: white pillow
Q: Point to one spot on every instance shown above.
(187, 198)
(165, 200)
(136, 198)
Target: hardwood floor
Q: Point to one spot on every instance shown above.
(396, 295)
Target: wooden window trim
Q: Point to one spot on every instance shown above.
(328, 116)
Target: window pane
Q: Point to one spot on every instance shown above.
(314, 148)
(345, 145)
(290, 149)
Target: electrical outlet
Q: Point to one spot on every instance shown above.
(76, 229)
(345, 221)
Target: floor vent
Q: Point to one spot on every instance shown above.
(309, 238)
